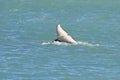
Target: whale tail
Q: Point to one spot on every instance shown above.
(62, 36)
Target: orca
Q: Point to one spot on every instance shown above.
(63, 36)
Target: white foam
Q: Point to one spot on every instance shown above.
(45, 43)
(55, 43)
(67, 44)
(87, 44)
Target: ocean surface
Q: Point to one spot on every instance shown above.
(28, 27)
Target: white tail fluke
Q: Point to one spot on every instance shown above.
(63, 36)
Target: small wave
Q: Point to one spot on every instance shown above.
(68, 44)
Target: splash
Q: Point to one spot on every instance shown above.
(68, 44)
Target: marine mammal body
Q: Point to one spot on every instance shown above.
(63, 36)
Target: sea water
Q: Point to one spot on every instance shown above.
(28, 27)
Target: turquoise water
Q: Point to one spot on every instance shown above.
(26, 24)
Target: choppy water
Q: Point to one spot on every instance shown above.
(27, 28)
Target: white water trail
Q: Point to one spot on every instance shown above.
(81, 43)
